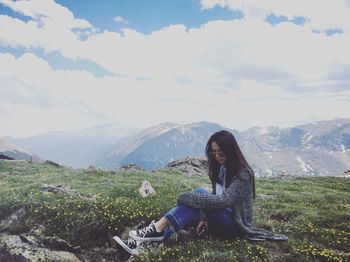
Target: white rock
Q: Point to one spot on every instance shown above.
(146, 189)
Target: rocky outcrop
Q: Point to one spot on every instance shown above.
(6, 223)
(191, 166)
(130, 168)
(4, 157)
(33, 245)
(9, 151)
(60, 188)
(22, 245)
(53, 163)
(19, 248)
(64, 189)
(93, 169)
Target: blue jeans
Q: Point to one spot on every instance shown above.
(220, 222)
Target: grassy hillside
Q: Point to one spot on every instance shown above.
(313, 211)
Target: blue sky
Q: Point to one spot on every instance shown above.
(68, 65)
(147, 16)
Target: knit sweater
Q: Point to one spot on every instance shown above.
(239, 197)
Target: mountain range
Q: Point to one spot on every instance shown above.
(319, 148)
(11, 151)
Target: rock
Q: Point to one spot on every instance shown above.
(37, 237)
(130, 168)
(8, 257)
(60, 188)
(93, 169)
(90, 197)
(4, 157)
(190, 166)
(285, 175)
(15, 249)
(346, 174)
(64, 189)
(52, 163)
(13, 218)
(264, 197)
(146, 189)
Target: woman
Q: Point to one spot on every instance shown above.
(227, 212)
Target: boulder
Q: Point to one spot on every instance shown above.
(191, 166)
(146, 189)
(93, 169)
(4, 157)
(37, 237)
(15, 248)
(52, 163)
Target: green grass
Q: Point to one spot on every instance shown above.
(313, 211)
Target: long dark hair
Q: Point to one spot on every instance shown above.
(235, 161)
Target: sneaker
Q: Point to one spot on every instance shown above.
(148, 233)
(130, 245)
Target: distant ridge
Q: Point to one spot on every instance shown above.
(319, 148)
(15, 152)
(74, 148)
(155, 147)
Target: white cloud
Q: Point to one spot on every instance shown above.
(218, 53)
(45, 11)
(50, 27)
(238, 73)
(120, 20)
(221, 52)
(320, 14)
(78, 99)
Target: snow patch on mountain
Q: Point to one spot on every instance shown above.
(304, 166)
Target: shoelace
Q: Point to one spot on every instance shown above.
(131, 243)
(142, 232)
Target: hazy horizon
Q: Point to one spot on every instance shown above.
(127, 129)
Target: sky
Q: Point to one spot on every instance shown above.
(69, 65)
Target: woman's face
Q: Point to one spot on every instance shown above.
(217, 153)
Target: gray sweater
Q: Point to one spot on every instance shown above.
(239, 197)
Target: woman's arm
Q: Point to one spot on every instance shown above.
(240, 187)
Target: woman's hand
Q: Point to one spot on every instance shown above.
(201, 225)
